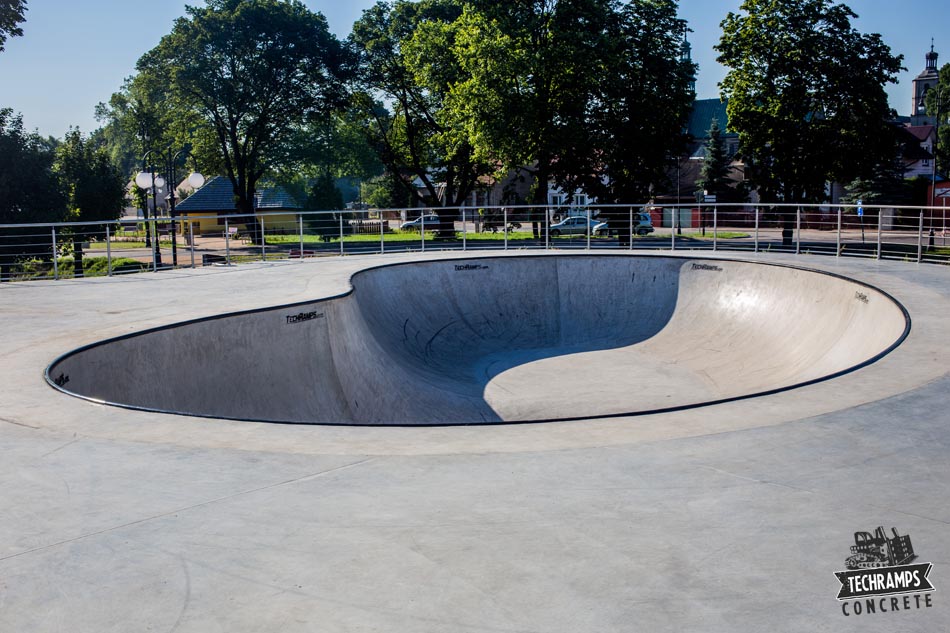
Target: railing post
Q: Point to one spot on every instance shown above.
(878, 234)
(504, 219)
(227, 242)
(673, 222)
(588, 227)
(920, 237)
(108, 252)
(756, 212)
(382, 234)
(715, 227)
(191, 240)
(341, 234)
(300, 232)
(55, 263)
(838, 240)
(263, 241)
(547, 228)
(422, 231)
(798, 230)
(464, 232)
(630, 227)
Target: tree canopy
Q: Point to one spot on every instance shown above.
(406, 61)
(12, 14)
(30, 191)
(806, 95)
(244, 75)
(938, 105)
(94, 188)
(533, 69)
(714, 174)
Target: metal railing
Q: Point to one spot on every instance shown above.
(67, 249)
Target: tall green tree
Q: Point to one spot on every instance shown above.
(407, 61)
(641, 103)
(12, 14)
(806, 95)
(640, 107)
(533, 69)
(29, 191)
(938, 105)
(94, 186)
(248, 74)
(714, 174)
(135, 120)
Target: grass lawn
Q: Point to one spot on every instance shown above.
(101, 246)
(698, 235)
(393, 236)
(514, 236)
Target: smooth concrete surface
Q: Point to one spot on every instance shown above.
(732, 517)
(502, 339)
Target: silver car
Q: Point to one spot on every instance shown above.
(573, 226)
(431, 223)
(642, 225)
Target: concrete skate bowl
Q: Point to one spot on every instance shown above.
(502, 340)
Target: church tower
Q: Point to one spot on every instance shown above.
(924, 82)
(686, 55)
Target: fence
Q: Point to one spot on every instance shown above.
(64, 250)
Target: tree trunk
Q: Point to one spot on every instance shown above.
(539, 197)
(788, 226)
(77, 259)
(245, 215)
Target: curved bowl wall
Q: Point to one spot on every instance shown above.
(504, 339)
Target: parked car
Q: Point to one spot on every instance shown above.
(642, 225)
(431, 223)
(573, 226)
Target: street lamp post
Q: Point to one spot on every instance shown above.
(195, 179)
(145, 180)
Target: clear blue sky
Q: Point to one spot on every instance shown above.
(75, 54)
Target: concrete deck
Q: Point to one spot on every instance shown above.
(724, 518)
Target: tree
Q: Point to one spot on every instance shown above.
(532, 71)
(714, 174)
(385, 192)
(641, 107)
(938, 105)
(325, 196)
(12, 14)
(806, 96)
(642, 104)
(334, 145)
(134, 120)
(247, 74)
(406, 59)
(29, 191)
(94, 186)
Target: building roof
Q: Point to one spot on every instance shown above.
(921, 132)
(217, 195)
(702, 115)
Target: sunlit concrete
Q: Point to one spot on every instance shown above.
(720, 518)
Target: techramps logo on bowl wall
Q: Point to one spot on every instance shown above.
(881, 576)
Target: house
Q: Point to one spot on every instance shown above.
(917, 150)
(216, 198)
